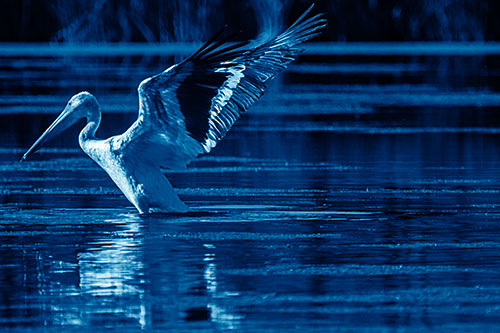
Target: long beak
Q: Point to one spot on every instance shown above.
(62, 122)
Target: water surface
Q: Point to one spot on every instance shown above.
(360, 193)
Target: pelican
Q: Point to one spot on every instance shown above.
(184, 111)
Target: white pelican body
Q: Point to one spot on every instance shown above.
(140, 180)
(183, 112)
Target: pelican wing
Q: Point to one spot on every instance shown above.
(193, 105)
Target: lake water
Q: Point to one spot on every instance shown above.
(361, 193)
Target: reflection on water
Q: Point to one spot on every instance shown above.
(361, 193)
(111, 269)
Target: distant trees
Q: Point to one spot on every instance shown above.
(196, 20)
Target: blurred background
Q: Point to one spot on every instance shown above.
(174, 20)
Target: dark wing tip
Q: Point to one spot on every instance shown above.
(208, 43)
(304, 14)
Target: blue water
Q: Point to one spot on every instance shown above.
(360, 194)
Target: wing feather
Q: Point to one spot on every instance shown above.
(191, 106)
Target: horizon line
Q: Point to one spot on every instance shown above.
(312, 48)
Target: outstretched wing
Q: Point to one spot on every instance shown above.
(192, 105)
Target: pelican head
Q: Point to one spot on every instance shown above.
(82, 105)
